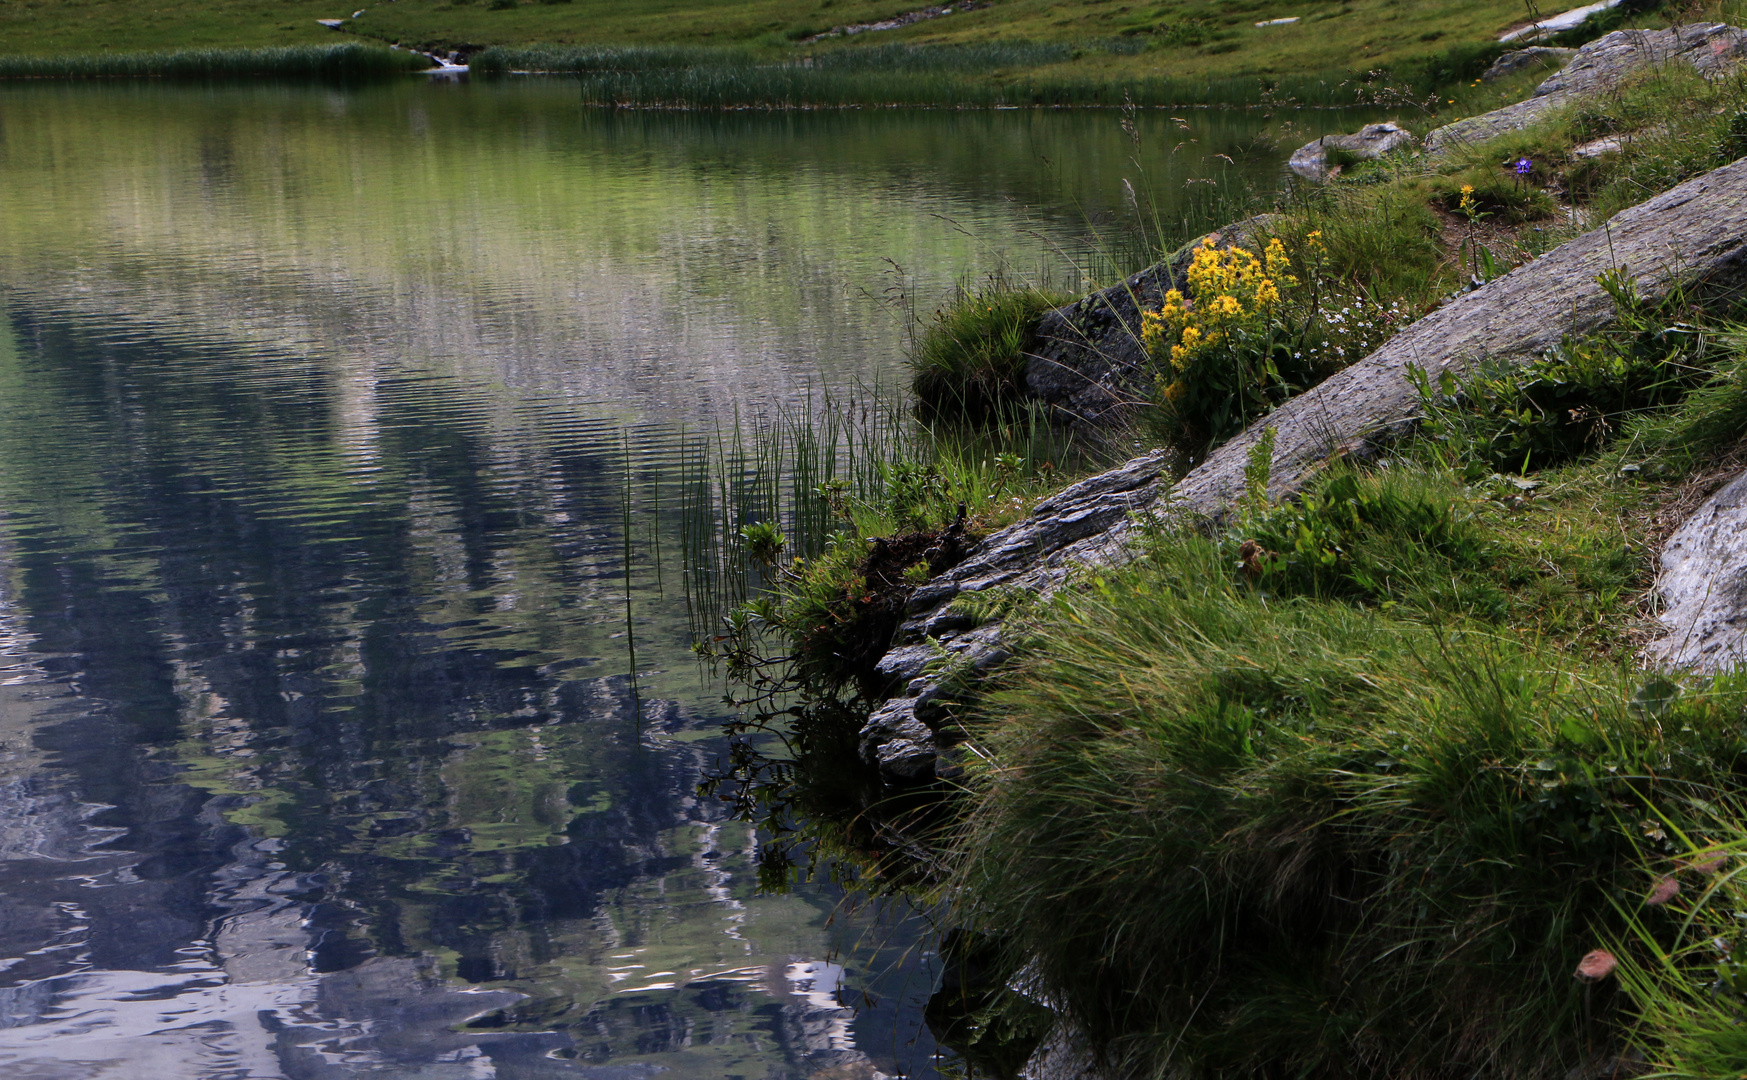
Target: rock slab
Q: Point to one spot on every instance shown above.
(1703, 582)
(1601, 64)
(1368, 144)
(1539, 57)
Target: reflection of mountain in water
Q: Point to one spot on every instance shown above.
(312, 764)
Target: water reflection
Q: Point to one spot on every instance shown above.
(322, 416)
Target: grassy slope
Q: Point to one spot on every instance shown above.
(1356, 35)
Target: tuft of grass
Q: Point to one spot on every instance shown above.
(1683, 965)
(1239, 833)
(351, 60)
(970, 360)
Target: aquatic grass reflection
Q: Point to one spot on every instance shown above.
(348, 61)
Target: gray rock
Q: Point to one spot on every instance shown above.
(904, 663)
(1368, 143)
(1536, 57)
(1566, 20)
(1703, 582)
(1063, 1055)
(1597, 67)
(980, 649)
(895, 740)
(1613, 144)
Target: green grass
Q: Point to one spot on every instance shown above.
(330, 61)
(1346, 787)
(970, 360)
(985, 74)
(1046, 52)
(1260, 835)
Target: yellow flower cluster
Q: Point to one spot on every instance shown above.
(1231, 286)
(1468, 207)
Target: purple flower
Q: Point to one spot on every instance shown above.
(1524, 166)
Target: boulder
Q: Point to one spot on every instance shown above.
(1367, 144)
(1566, 20)
(1703, 583)
(1536, 57)
(1598, 66)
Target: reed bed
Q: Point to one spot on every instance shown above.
(834, 472)
(990, 75)
(350, 60)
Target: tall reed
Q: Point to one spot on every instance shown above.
(937, 75)
(350, 60)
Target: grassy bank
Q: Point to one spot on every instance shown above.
(1346, 787)
(349, 60)
(1014, 52)
(982, 75)
(1339, 267)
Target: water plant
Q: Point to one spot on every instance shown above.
(351, 60)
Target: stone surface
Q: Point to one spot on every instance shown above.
(1565, 20)
(1368, 143)
(1537, 57)
(904, 663)
(1061, 1056)
(895, 740)
(1596, 67)
(1703, 582)
(1697, 230)
(1088, 362)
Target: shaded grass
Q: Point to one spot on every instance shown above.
(1346, 787)
(970, 360)
(345, 61)
(1255, 834)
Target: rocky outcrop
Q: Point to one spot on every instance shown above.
(1312, 160)
(1703, 584)
(1596, 67)
(1697, 230)
(1565, 20)
(1537, 58)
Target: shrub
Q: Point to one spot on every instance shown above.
(970, 360)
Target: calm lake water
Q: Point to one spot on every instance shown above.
(322, 415)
